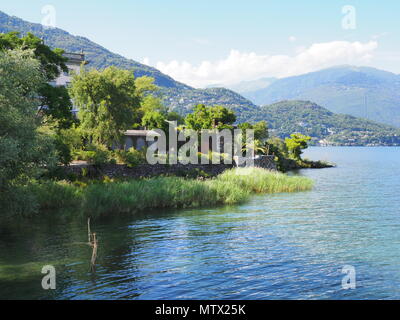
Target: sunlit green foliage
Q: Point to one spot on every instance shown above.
(108, 103)
(263, 181)
(24, 151)
(155, 120)
(55, 101)
(204, 117)
(131, 157)
(296, 144)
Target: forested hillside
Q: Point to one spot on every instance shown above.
(359, 91)
(343, 86)
(176, 95)
(335, 129)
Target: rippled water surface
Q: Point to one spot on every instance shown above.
(282, 246)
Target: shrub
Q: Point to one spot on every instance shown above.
(97, 155)
(296, 144)
(208, 157)
(131, 157)
(63, 151)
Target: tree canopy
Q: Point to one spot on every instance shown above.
(204, 117)
(296, 143)
(155, 120)
(108, 102)
(260, 129)
(55, 101)
(23, 150)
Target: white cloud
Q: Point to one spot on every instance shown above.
(240, 66)
(146, 61)
(292, 39)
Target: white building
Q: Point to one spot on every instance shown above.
(74, 63)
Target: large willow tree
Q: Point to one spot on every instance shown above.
(24, 152)
(108, 103)
(54, 101)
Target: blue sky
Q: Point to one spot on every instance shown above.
(205, 41)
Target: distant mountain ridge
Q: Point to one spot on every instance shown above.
(250, 86)
(309, 118)
(359, 91)
(284, 117)
(177, 95)
(98, 56)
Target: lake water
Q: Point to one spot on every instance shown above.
(281, 246)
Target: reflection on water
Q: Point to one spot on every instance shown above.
(285, 246)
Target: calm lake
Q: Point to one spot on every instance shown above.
(281, 246)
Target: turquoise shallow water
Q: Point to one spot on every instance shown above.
(282, 246)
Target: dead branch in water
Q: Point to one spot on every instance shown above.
(88, 230)
(93, 242)
(94, 253)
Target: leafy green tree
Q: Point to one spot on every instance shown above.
(155, 120)
(108, 102)
(24, 151)
(277, 146)
(204, 117)
(56, 105)
(175, 116)
(150, 103)
(260, 129)
(257, 146)
(154, 112)
(55, 101)
(145, 86)
(296, 144)
(245, 126)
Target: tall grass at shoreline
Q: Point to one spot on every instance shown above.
(163, 192)
(127, 197)
(258, 180)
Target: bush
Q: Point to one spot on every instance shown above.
(208, 157)
(131, 158)
(63, 151)
(195, 173)
(97, 155)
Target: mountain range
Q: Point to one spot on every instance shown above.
(248, 87)
(324, 126)
(359, 91)
(177, 96)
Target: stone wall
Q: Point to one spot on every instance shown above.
(266, 162)
(148, 170)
